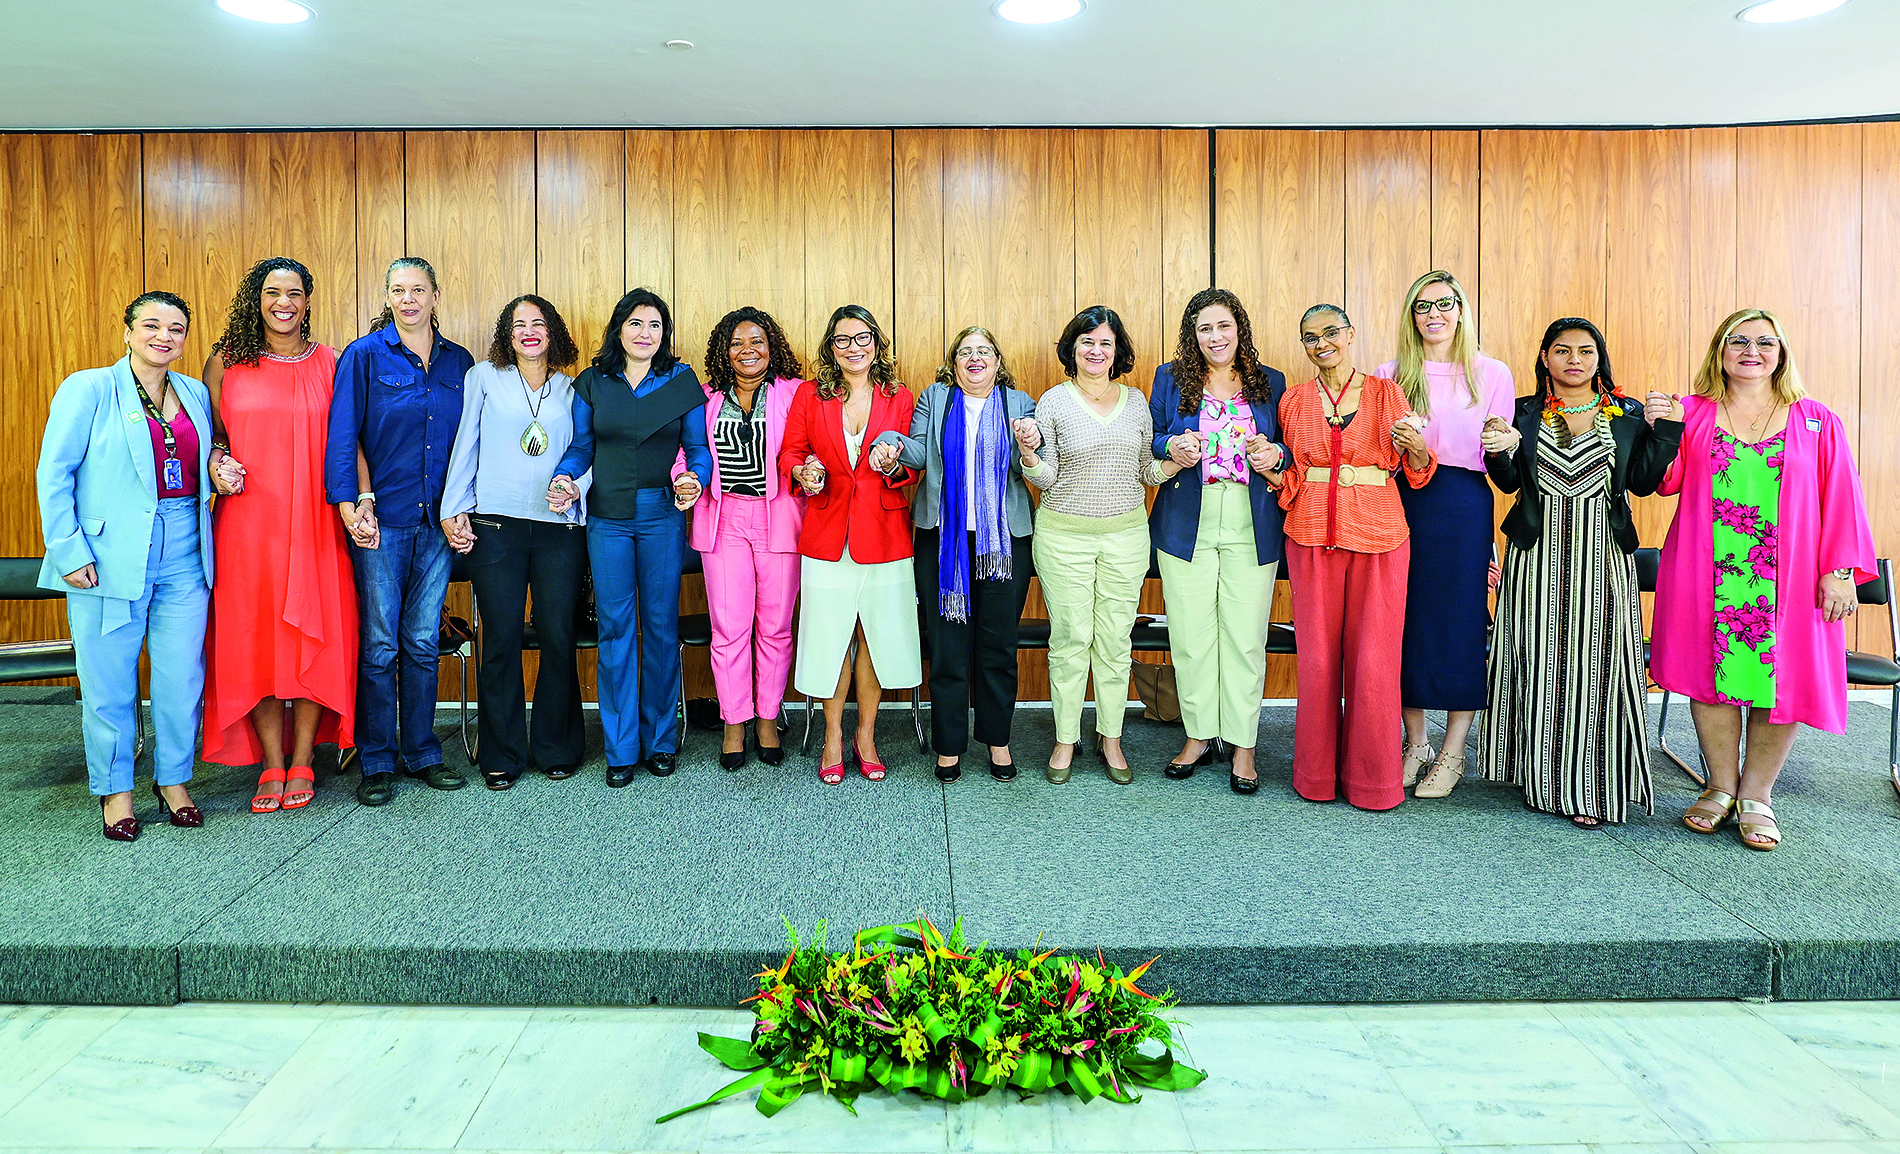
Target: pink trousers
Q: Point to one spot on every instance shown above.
(1350, 614)
(749, 594)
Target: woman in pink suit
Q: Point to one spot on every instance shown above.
(1759, 569)
(745, 526)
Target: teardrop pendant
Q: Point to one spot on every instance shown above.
(534, 441)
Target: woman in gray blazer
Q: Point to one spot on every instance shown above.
(973, 545)
(125, 488)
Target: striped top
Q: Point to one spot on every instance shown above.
(739, 442)
(1364, 518)
(1094, 467)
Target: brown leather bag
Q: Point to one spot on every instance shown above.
(1154, 684)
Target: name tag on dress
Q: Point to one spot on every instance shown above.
(1814, 424)
(174, 474)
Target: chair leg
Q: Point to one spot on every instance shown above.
(917, 718)
(681, 742)
(469, 744)
(804, 745)
(1893, 741)
(1662, 726)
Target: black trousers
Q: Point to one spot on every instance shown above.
(511, 556)
(972, 661)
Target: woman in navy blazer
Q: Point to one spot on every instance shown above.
(1224, 431)
(125, 488)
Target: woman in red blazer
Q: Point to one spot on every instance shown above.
(859, 595)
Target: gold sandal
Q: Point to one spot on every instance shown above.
(1415, 761)
(1723, 807)
(1446, 772)
(1762, 829)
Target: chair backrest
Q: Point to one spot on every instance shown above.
(1879, 590)
(691, 561)
(1648, 564)
(458, 567)
(20, 580)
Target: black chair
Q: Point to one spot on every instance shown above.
(695, 631)
(31, 660)
(457, 640)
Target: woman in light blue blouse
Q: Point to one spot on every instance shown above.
(517, 421)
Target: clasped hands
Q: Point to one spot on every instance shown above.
(1263, 456)
(1660, 406)
(227, 475)
(1498, 436)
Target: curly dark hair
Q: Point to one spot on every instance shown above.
(244, 339)
(947, 372)
(562, 351)
(1087, 321)
(1605, 383)
(830, 376)
(612, 358)
(1190, 367)
(781, 364)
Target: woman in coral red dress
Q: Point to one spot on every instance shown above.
(282, 637)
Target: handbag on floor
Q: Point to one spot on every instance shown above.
(1154, 684)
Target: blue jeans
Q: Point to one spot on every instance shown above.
(169, 619)
(636, 566)
(400, 587)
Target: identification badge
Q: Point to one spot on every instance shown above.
(174, 474)
(1814, 424)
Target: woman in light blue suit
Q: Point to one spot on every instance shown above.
(125, 485)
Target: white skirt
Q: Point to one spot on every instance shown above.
(833, 597)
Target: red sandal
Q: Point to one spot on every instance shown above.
(299, 797)
(268, 802)
(872, 770)
(831, 774)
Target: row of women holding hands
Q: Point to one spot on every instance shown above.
(799, 485)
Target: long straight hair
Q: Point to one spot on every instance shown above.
(1464, 343)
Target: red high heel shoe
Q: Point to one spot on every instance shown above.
(298, 797)
(872, 770)
(125, 829)
(831, 774)
(269, 802)
(184, 817)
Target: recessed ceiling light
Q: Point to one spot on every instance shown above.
(680, 45)
(1038, 11)
(1777, 11)
(268, 11)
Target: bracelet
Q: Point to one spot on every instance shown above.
(221, 446)
(1843, 574)
(366, 497)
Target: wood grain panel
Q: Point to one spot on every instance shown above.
(1457, 187)
(581, 228)
(649, 186)
(381, 220)
(194, 226)
(1187, 240)
(917, 175)
(1280, 232)
(1879, 454)
(469, 206)
(843, 185)
(739, 226)
(1388, 234)
(1712, 236)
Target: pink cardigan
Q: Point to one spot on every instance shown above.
(1823, 527)
(785, 508)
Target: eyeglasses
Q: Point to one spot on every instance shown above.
(1329, 334)
(966, 353)
(1442, 304)
(1742, 344)
(846, 340)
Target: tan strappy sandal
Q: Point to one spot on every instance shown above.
(1712, 804)
(1748, 806)
(1417, 757)
(1444, 777)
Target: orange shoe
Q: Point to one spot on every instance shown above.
(296, 797)
(268, 802)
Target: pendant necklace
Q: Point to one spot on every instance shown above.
(1332, 402)
(534, 439)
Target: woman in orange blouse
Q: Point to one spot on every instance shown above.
(1348, 555)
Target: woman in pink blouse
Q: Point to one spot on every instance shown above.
(1465, 399)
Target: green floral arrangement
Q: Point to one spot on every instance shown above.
(908, 1008)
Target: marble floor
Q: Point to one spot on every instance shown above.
(1583, 1078)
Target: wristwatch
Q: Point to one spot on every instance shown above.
(365, 496)
(1843, 574)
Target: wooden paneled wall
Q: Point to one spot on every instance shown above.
(1654, 234)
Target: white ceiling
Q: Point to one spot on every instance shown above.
(84, 64)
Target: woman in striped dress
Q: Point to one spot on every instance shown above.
(1567, 717)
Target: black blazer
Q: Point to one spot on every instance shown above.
(1643, 455)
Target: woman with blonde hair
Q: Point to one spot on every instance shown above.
(1459, 394)
(973, 531)
(1758, 572)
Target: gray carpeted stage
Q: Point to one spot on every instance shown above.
(673, 890)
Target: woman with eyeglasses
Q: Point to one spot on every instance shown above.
(745, 527)
(1458, 393)
(1567, 717)
(1759, 569)
(859, 620)
(1352, 435)
(973, 544)
(1218, 528)
(635, 414)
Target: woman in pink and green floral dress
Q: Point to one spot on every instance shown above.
(1758, 571)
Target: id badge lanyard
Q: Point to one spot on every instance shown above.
(174, 468)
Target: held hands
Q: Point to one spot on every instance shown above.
(1028, 434)
(1408, 433)
(227, 475)
(1263, 455)
(1838, 600)
(1185, 449)
(686, 490)
(1499, 437)
(456, 529)
(1660, 406)
(562, 493)
(810, 475)
(87, 578)
(884, 458)
(1494, 576)
(364, 531)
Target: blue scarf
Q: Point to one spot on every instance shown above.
(955, 568)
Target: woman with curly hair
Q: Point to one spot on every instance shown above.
(283, 632)
(1217, 526)
(973, 533)
(745, 526)
(1758, 571)
(517, 421)
(1567, 718)
(854, 546)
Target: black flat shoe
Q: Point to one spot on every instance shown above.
(1182, 770)
(619, 775)
(498, 779)
(376, 788)
(663, 764)
(561, 772)
(732, 761)
(437, 777)
(1241, 784)
(949, 773)
(1003, 772)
